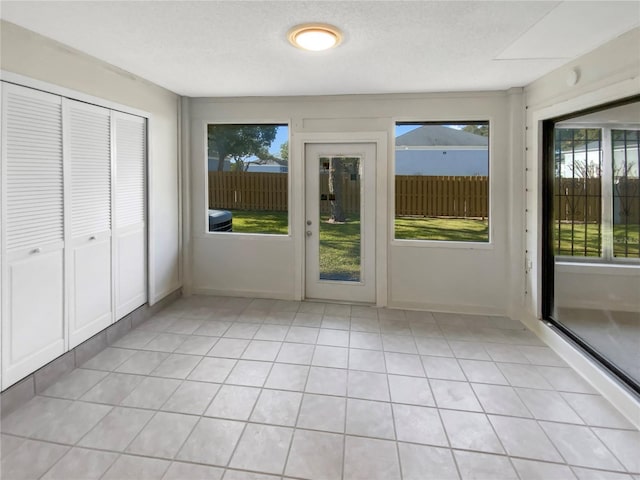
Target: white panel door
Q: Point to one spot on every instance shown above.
(130, 231)
(87, 134)
(32, 234)
(340, 222)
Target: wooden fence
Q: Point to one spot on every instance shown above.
(248, 191)
(442, 196)
(415, 195)
(420, 195)
(577, 199)
(580, 200)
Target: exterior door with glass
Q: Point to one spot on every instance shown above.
(340, 221)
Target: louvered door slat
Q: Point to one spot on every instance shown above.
(32, 231)
(90, 162)
(34, 183)
(130, 205)
(130, 168)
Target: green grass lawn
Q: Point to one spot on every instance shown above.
(587, 241)
(340, 249)
(249, 221)
(419, 228)
(626, 241)
(447, 229)
(339, 242)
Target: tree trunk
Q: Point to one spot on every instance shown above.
(221, 159)
(336, 172)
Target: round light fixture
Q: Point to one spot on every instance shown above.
(315, 36)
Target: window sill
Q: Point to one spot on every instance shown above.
(245, 236)
(443, 244)
(580, 266)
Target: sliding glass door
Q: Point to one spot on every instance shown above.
(591, 284)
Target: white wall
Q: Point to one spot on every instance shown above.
(606, 74)
(436, 275)
(26, 53)
(601, 287)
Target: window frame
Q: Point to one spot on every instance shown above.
(449, 244)
(279, 123)
(606, 219)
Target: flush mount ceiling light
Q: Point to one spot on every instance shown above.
(315, 36)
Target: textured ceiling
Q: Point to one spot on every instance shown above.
(239, 48)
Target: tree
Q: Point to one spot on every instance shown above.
(239, 142)
(284, 151)
(341, 169)
(336, 173)
(482, 129)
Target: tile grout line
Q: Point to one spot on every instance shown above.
(354, 435)
(489, 420)
(197, 422)
(295, 424)
(444, 429)
(393, 417)
(319, 431)
(94, 402)
(204, 411)
(554, 389)
(247, 423)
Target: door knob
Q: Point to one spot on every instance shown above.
(308, 233)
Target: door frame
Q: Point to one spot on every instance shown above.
(364, 289)
(298, 204)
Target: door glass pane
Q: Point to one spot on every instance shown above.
(577, 192)
(596, 208)
(339, 219)
(626, 193)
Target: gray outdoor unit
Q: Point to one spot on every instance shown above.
(220, 221)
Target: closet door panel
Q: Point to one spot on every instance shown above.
(88, 187)
(32, 233)
(35, 313)
(91, 289)
(130, 230)
(131, 288)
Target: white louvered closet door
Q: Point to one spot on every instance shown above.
(87, 134)
(130, 245)
(32, 231)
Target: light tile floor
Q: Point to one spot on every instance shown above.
(239, 389)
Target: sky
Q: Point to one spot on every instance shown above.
(282, 135)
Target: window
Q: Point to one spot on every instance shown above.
(596, 193)
(626, 193)
(578, 192)
(442, 181)
(248, 178)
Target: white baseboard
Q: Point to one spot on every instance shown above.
(160, 296)
(598, 304)
(606, 384)
(446, 308)
(242, 293)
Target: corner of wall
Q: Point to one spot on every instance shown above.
(606, 74)
(46, 62)
(517, 207)
(184, 132)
